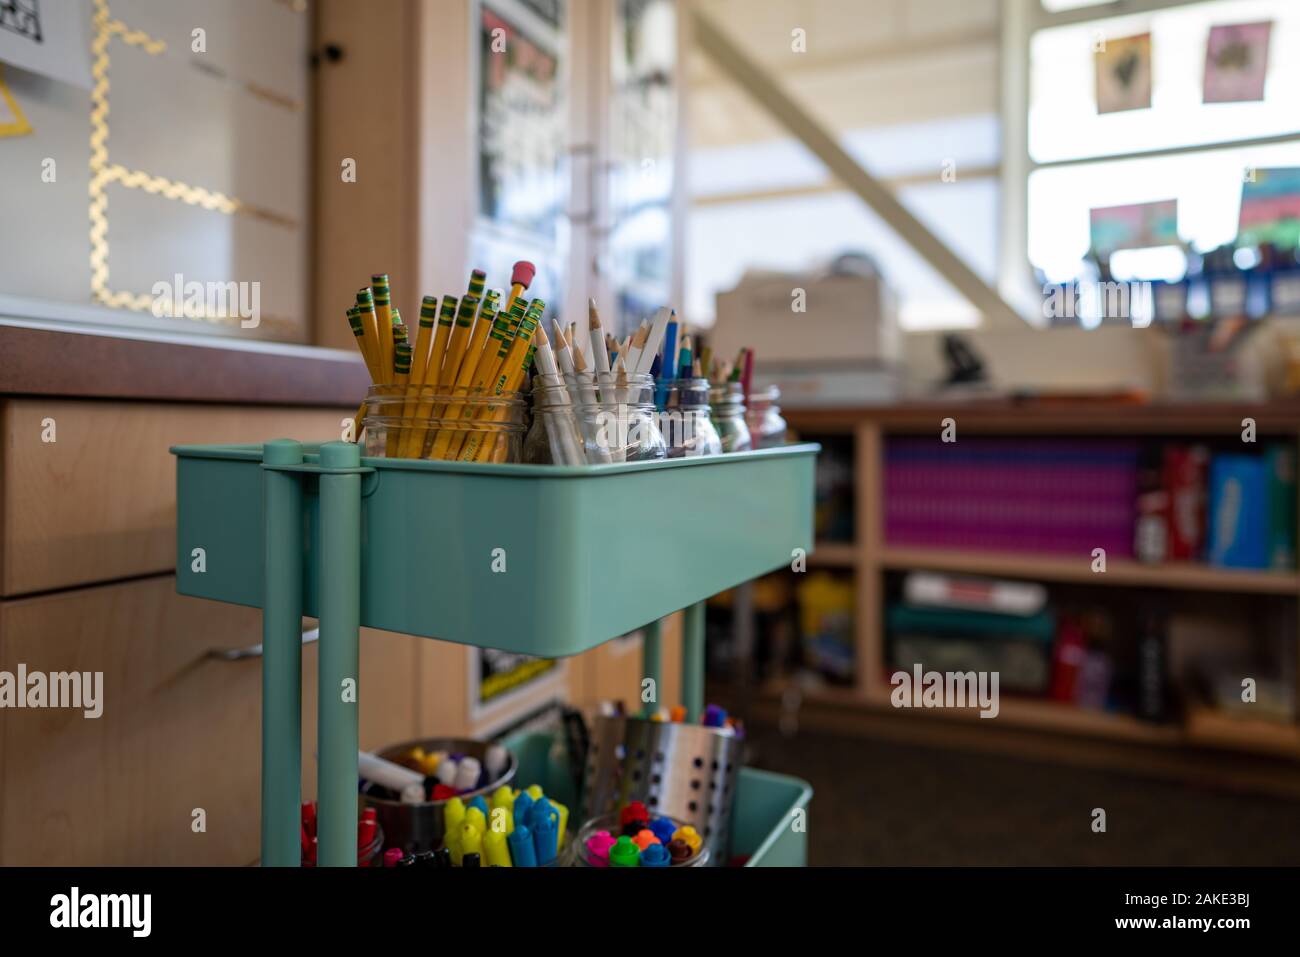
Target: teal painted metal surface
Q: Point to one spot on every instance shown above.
(282, 660)
(768, 825)
(651, 664)
(590, 552)
(339, 659)
(693, 662)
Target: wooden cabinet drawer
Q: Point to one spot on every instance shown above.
(98, 503)
(178, 731)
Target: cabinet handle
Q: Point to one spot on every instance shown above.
(309, 635)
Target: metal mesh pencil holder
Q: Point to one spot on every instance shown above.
(685, 771)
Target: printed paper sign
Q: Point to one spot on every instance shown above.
(1124, 74)
(48, 37)
(1236, 62)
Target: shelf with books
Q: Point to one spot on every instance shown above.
(1195, 576)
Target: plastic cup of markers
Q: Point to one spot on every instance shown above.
(369, 856)
(581, 856)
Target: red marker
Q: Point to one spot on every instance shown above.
(634, 811)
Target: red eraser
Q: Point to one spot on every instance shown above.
(523, 274)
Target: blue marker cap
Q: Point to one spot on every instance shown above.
(656, 855)
(481, 803)
(714, 717)
(544, 840)
(663, 829)
(542, 809)
(523, 804)
(522, 853)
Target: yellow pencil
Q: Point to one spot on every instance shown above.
(485, 373)
(476, 447)
(401, 375)
(363, 344)
(475, 352)
(383, 315)
(414, 406)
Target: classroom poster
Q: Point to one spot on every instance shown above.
(1270, 207)
(1124, 74)
(499, 677)
(1236, 62)
(48, 37)
(1134, 226)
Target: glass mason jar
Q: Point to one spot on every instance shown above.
(686, 422)
(729, 417)
(616, 419)
(766, 424)
(467, 425)
(554, 438)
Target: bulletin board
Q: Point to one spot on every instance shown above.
(165, 147)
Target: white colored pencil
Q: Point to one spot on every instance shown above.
(656, 337)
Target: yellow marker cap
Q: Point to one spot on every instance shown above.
(534, 792)
(471, 839)
(496, 849)
(453, 813)
(476, 819)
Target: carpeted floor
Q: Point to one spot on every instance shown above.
(891, 804)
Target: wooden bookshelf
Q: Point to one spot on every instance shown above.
(1194, 576)
(1061, 727)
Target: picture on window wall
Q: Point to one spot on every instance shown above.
(1236, 62)
(1124, 74)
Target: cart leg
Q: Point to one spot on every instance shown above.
(693, 662)
(340, 624)
(282, 657)
(650, 657)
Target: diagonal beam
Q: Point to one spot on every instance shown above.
(769, 95)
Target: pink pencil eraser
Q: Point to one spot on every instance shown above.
(598, 846)
(523, 274)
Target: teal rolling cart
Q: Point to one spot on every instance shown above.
(541, 560)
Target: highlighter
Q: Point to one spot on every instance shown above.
(544, 838)
(471, 842)
(523, 803)
(496, 849)
(624, 853)
(520, 842)
(476, 817)
(534, 792)
(481, 803)
(562, 824)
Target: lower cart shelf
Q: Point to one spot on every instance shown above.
(764, 826)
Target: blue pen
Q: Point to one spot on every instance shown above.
(522, 853)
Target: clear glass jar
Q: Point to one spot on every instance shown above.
(729, 417)
(554, 437)
(468, 425)
(766, 424)
(617, 420)
(685, 420)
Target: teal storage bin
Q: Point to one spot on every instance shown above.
(588, 552)
(761, 824)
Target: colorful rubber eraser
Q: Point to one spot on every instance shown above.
(645, 838)
(496, 849)
(680, 851)
(634, 811)
(689, 835)
(656, 855)
(598, 846)
(624, 853)
(663, 828)
(522, 852)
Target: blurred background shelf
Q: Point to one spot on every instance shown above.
(1053, 568)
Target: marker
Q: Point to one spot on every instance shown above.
(598, 846)
(680, 851)
(522, 852)
(690, 836)
(624, 853)
(495, 761)
(561, 822)
(677, 714)
(442, 792)
(467, 773)
(503, 799)
(476, 818)
(471, 842)
(644, 838)
(446, 773)
(496, 849)
(472, 859)
(656, 855)
(480, 802)
(453, 814)
(523, 804)
(534, 792)
(544, 838)
(663, 829)
(714, 717)
(392, 856)
(634, 811)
